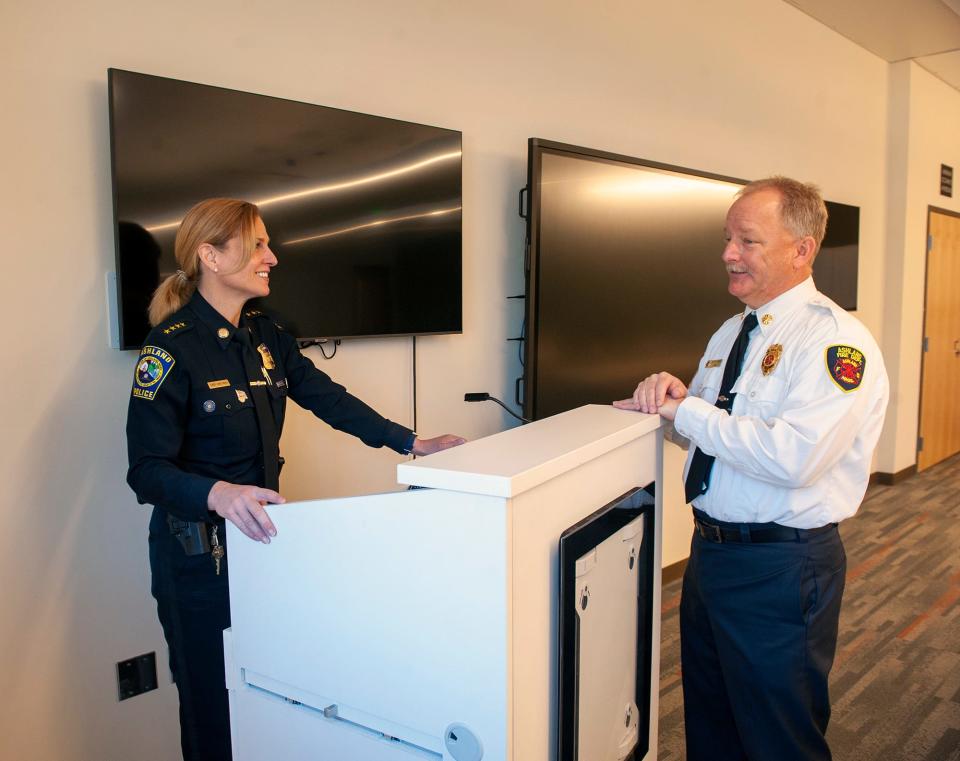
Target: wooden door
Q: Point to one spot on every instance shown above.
(940, 384)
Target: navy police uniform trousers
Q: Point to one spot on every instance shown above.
(758, 629)
(193, 606)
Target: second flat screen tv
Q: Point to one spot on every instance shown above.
(624, 275)
(363, 212)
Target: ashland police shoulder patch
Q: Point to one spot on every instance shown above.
(846, 365)
(153, 366)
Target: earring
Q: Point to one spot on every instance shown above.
(216, 268)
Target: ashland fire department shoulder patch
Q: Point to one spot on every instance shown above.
(845, 365)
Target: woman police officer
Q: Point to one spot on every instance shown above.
(203, 426)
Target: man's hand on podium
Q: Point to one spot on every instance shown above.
(657, 393)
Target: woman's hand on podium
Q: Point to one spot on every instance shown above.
(242, 505)
(438, 443)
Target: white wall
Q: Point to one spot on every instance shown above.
(743, 88)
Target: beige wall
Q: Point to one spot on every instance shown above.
(924, 125)
(743, 88)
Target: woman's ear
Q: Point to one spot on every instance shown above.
(208, 256)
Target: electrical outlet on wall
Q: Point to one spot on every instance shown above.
(136, 675)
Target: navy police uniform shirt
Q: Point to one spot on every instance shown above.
(192, 422)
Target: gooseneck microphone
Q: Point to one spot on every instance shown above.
(483, 396)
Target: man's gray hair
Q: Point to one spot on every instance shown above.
(802, 209)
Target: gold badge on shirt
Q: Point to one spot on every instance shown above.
(713, 363)
(241, 396)
(770, 359)
(766, 319)
(267, 357)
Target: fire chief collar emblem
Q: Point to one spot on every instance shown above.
(845, 365)
(769, 362)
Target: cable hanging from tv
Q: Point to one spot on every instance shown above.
(304, 343)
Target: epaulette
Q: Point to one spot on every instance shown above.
(177, 326)
(823, 304)
(259, 314)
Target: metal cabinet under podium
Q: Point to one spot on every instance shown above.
(426, 624)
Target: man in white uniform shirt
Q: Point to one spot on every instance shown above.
(781, 420)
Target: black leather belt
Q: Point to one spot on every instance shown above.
(751, 533)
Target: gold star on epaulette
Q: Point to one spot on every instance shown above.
(173, 328)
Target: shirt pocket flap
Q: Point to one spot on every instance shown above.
(760, 389)
(223, 401)
(710, 381)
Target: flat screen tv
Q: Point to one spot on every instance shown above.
(623, 272)
(363, 212)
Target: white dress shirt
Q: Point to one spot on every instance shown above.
(797, 446)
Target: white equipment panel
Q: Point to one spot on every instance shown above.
(608, 640)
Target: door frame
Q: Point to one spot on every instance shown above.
(923, 330)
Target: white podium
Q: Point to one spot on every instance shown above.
(424, 624)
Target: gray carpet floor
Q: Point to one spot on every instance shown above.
(895, 684)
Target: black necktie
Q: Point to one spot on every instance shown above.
(257, 378)
(698, 477)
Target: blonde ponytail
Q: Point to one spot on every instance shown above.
(170, 296)
(214, 221)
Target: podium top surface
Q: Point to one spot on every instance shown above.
(511, 462)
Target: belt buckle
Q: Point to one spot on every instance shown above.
(710, 532)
